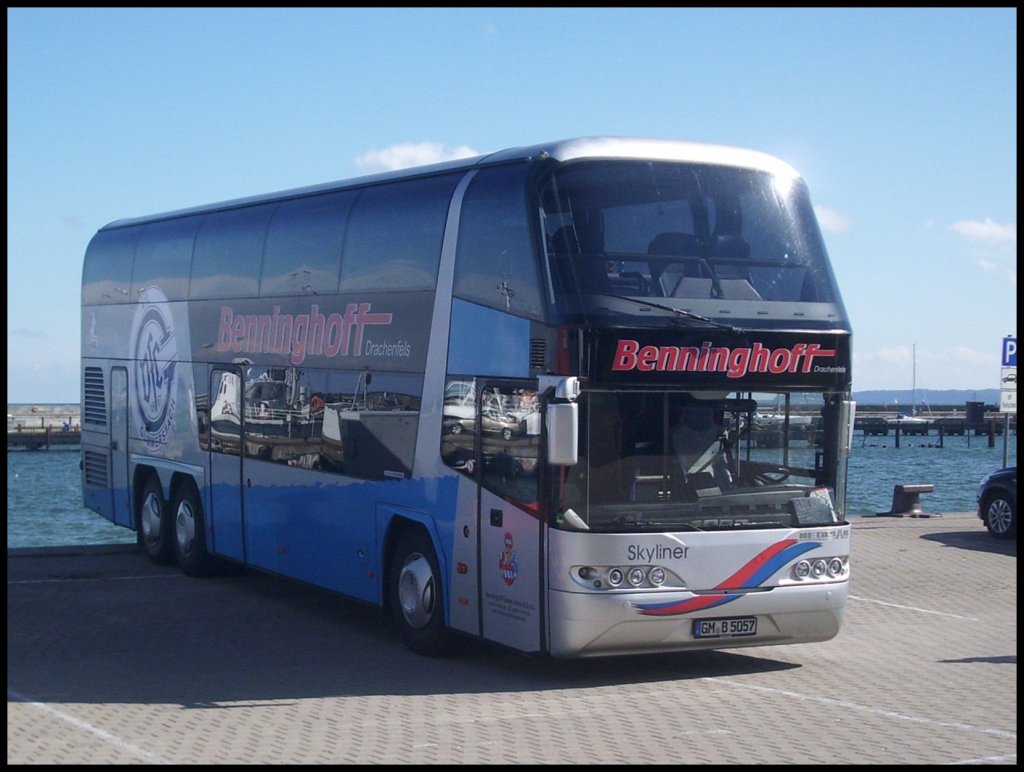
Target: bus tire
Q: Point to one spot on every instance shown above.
(155, 527)
(190, 531)
(415, 595)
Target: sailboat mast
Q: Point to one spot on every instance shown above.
(913, 392)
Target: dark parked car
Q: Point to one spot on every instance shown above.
(997, 503)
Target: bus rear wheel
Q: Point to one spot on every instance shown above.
(190, 532)
(155, 528)
(415, 595)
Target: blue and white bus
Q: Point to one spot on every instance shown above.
(579, 399)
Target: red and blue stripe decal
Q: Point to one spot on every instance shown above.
(754, 573)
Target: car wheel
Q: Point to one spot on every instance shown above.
(1001, 516)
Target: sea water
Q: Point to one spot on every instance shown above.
(44, 490)
(44, 503)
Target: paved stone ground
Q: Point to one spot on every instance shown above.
(111, 660)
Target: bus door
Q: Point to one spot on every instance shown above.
(122, 514)
(511, 549)
(226, 490)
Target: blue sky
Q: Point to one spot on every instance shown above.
(902, 121)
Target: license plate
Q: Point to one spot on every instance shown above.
(725, 628)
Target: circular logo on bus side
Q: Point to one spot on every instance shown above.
(155, 353)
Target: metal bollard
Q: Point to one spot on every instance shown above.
(906, 501)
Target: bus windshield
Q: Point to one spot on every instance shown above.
(722, 242)
(676, 461)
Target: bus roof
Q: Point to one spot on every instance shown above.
(638, 148)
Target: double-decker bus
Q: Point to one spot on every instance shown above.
(579, 399)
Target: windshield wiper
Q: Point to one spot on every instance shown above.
(741, 525)
(661, 525)
(678, 312)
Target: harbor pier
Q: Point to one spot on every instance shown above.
(42, 427)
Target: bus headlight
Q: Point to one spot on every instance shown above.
(820, 568)
(635, 576)
(626, 577)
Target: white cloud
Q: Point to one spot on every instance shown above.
(897, 354)
(986, 232)
(831, 221)
(992, 244)
(24, 332)
(408, 154)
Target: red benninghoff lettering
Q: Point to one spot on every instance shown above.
(297, 335)
(734, 362)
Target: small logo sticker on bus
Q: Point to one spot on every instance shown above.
(508, 562)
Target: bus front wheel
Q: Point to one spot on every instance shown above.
(155, 527)
(415, 595)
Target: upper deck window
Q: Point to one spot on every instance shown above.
(303, 251)
(163, 257)
(394, 234)
(495, 264)
(228, 253)
(107, 275)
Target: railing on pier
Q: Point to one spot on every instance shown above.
(43, 438)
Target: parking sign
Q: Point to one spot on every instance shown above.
(1008, 377)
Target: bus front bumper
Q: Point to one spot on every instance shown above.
(605, 624)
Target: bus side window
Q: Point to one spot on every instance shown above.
(509, 446)
(281, 422)
(225, 412)
(369, 423)
(201, 378)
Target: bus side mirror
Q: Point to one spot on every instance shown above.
(563, 430)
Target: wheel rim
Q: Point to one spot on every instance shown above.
(185, 527)
(999, 516)
(416, 591)
(151, 512)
